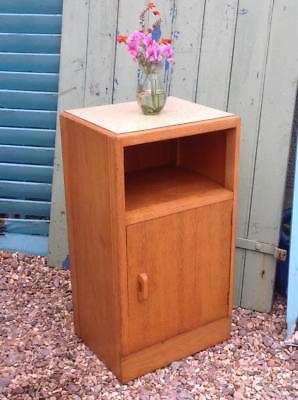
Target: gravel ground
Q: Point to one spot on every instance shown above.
(41, 358)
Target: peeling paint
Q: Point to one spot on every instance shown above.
(64, 92)
(94, 89)
(243, 11)
(66, 263)
(173, 13)
(80, 62)
(263, 272)
(176, 35)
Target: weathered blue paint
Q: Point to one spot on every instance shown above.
(32, 100)
(292, 306)
(28, 118)
(30, 23)
(25, 207)
(26, 226)
(30, 37)
(29, 62)
(27, 136)
(28, 100)
(66, 263)
(25, 190)
(29, 81)
(31, 6)
(30, 43)
(29, 244)
(25, 172)
(26, 154)
(243, 11)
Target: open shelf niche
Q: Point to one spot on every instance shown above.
(174, 175)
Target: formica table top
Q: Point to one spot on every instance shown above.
(127, 117)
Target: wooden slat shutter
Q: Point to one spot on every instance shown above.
(30, 36)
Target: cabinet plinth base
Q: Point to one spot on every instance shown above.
(161, 354)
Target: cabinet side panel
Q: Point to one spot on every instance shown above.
(89, 181)
(70, 224)
(231, 182)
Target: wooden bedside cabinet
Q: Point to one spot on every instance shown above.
(151, 204)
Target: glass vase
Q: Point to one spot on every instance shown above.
(151, 93)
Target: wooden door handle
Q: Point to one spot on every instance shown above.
(143, 291)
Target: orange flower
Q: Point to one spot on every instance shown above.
(149, 30)
(155, 12)
(121, 38)
(166, 41)
(151, 5)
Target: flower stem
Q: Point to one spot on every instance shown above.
(154, 95)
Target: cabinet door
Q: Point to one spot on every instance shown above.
(178, 273)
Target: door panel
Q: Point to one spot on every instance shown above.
(178, 273)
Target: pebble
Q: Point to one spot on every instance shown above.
(41, 358)
(69, 306)
(4, 382)
(175, 365)
(268, 341)
(271, 363)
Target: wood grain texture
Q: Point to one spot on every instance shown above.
(101, 52)
(278, 104)
(177, 131)
(71, 94)
(161, 354)
(216, 53)
(150, 155)
(157, 192)
(187, 288)
(258, 60)
(131, 206)
(94, 250)
(187, 36)
(205, 154)
(245, 99)
(125, 71)
(231, 183)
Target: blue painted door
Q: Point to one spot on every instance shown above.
(30, 35)
(292, 304)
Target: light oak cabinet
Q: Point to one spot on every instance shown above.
(151, 222)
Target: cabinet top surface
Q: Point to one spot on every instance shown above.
(128, 117)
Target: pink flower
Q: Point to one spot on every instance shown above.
(147, 40)
(134, 44)
(144, 49)
(133, 50)
(136, 36)
(168, 52)
(153, 52)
